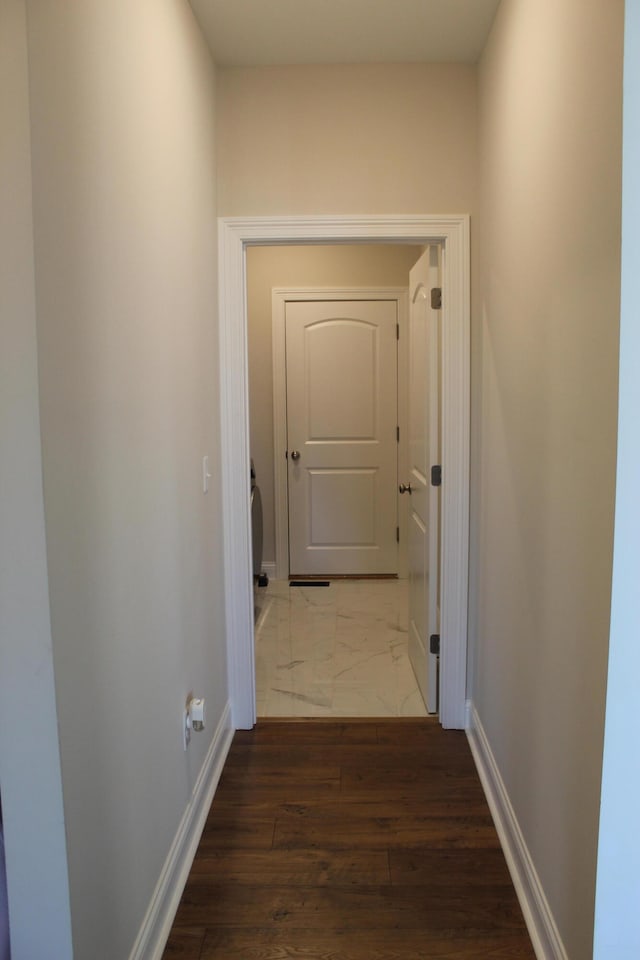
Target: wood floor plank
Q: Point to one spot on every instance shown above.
(349, 840)
(375, 833)
(415, 730)
(328, 752)
(371, 785)
(431, 911)
(326, 762)
(302, 867)
(280, 776)
(243, 944)
(460, 867)
(340, 806)
(369, 774)
(309, 731)
(185, 944)
(280, 779)
(247, 833)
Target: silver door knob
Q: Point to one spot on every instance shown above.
(295, 454)
(405, 488)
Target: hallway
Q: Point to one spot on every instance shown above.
(352, 840)
(142, 165)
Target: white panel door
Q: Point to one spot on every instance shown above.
(423, 499)
(341, 436)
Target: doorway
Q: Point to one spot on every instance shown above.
(235, 235)
(345, 361)
(340, 649)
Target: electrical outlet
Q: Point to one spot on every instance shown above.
(186, 729)
(186, 721)
(194, 717)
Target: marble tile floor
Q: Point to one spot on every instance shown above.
(336, 651)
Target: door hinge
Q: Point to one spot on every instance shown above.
(436, 298)
(397, 331)
(397, 434)
(397, 534)
(434, 644)
(436, 475)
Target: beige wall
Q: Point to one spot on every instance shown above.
(300, 266)
(384, 138)
(347, 139)
(544, 423)
(122, 112)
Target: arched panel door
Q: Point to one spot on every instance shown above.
(341, 362)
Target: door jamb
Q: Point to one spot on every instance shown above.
(280, 296)
(235, 233)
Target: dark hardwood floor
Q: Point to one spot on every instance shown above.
(349, 840)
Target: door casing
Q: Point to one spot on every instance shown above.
(280, 296)
(235, 234)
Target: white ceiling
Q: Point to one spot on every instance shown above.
(270, 32)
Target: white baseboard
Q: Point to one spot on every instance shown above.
(156, 926)
(468, 714)
(269, 567)
(543, 931)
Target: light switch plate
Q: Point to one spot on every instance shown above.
(206, 476)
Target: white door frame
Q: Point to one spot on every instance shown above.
(280, 296)
(235, 233)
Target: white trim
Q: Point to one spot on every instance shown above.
(234, 234)
(456, 350)
(468, 714)
(156, 926)
(279, 298)
(541, 925)
(269, 567)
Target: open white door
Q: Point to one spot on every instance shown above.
(422, 494)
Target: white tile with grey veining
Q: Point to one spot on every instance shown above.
(361, 701)
(339, 650)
